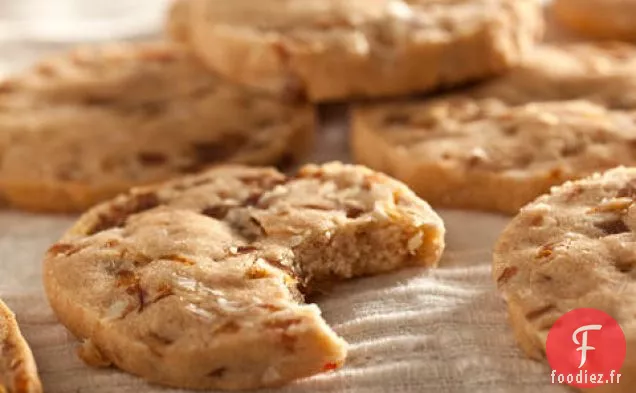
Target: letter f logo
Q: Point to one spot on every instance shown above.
(583, 343)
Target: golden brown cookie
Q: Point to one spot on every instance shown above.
(79, 128)
(567, 113)
(199, 282)
(18, 372)
(338, 49)
(572, 248)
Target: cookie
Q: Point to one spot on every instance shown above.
(177, 20)
(567, 113)
(572, 248)
(339, 49)
(600, 19)
(18, 372)
(199, 282)
(82, 127)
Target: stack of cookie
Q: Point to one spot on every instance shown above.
(198, 281)
(234, 83)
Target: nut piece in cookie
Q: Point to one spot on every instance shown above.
(82, 127)
(199, 282)
(565, 114)
(331, 50)
(18, 372)
(569, 249)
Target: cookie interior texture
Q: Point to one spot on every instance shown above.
(568, 112)
(82, 127)
(599, 19)
(18, 372)
(338, 49)
(199, 282)
(572, 248)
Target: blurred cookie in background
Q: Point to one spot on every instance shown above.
(567, 113)
(82, 127)
(336, 50)
(599, 19)
(177, 20)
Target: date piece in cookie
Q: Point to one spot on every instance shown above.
(18, 372)
(569, 112)
(572, 248)
(337, 49)
(82, 127)
(199, 282)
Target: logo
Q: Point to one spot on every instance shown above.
(586, 348)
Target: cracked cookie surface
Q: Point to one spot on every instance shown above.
(568, 112)
(572, 248)
(18, 372)
(199, 282)
(80, 128)
(339, 49)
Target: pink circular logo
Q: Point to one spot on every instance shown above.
(586, 348)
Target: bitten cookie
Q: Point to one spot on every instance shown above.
(567, 113)
(80, 128)
(604, 19)
(338, 49)
(199, 282)
(572, 248)
(18, 372)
